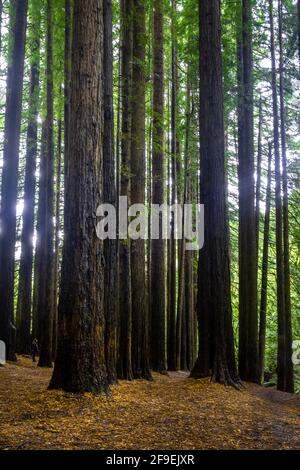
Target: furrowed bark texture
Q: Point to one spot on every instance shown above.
(10, 176)
(216, 348)
(80, 363)
(158, 317)
(109, 196)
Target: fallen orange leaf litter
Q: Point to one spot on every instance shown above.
(172, 412)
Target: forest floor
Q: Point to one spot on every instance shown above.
(169, 413)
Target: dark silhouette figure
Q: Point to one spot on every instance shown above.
(34, 349)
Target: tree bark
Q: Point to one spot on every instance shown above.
(248, 328)
(216, 346)
(140, 354)
(258, 174)
(289, 372)
(109, 196)
(158, 315)
(180, 322)
(118, 188)
(172, 363)
(188, 269)
(26, 261)
(264, 273)
(10, 176)
(45, 305)
(67, 78)
(281, 359)
(56, 237)
(80, 362)
(36, 317)
(181, 325)
(124, 365)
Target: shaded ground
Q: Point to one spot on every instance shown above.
(170, 413)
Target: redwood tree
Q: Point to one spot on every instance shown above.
(288, 370)
(216, 346)
(80, 363)
(248, 339)
(109, 196)
(10, 175)
(25, 270)
(45, 279)
(264, 272)
(140, 358)
(158, 315)
(281, 358)
(124, 364)
(173, 242)
(67, 77)
(56, 262)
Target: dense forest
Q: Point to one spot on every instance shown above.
(164, 102)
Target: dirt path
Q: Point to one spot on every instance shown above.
(169, 413)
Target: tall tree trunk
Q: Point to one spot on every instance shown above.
(67, 78)
(149, 180)
(47, 267)
(248, 331)
(149, 199)
(181, 325)
(281, 360)
(189, 308)
(180, 304)
(67, 92)
(216, 345)
(80, 362)
(109, 197)
(188, 269)
(289, 372)
(173, 242)
(258, 174)
(36, 314)
(169, 241)
(183, 348)
(158, 316)
(264, 273)
(125, 293)
(10, 177)
(140, 355)
(118, 188)
(56, 237)
(25, 271)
